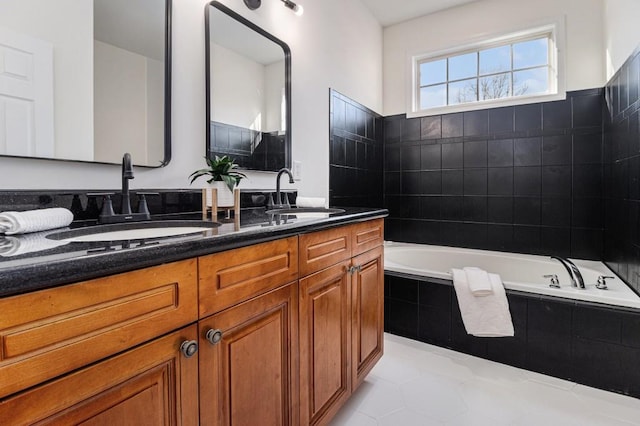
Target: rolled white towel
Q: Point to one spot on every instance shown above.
(478, 281)
(15, 246)
(310, 201)
(34, 220)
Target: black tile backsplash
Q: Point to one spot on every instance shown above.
(507, 178)
(357, 160)
(85, 206)
(621, 177)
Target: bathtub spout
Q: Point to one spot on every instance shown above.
(574, 272)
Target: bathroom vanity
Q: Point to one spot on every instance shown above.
(264, 325)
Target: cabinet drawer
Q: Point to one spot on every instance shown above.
(319, 250)
(151, 384)
(50, 332)
(367, 235)
(233, 276)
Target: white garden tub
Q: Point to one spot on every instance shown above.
(519, 272)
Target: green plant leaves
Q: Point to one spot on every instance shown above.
(220, 169)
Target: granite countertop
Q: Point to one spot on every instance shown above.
(33, 261)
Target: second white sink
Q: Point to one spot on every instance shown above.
(133, 231)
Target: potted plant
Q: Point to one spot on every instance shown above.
(224, 177)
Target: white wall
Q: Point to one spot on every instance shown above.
(237, 89)
(244, 92)
(273, 92)
(155, 111)
(120, 107)
(336, 43)
(477, 20)
(68, 25)
(622, 32)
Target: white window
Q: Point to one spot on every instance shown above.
(513, 69)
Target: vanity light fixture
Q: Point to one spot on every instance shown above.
(253, 4)
(297, 9)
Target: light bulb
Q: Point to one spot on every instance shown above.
(297, 9)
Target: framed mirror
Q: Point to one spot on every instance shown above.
(86, 80)
(248, 75)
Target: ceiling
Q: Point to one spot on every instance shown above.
(137, 26)
(233, 35)
(389, 12)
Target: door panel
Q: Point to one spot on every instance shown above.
(367, 306)
(26, 95)
(324, 343)
(250, 375)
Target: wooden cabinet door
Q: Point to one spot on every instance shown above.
(367, 310)
(154, 384)
(325, 348)
(250, 376)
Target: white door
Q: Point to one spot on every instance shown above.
(26, 95)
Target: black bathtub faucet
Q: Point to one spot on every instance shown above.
(574, 272)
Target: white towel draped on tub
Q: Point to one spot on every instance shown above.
(479, 281)
(486, 316)
(34, 220)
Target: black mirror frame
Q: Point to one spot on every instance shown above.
(167, 106)
(167, 83)
(287, 73)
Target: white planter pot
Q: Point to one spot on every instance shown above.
(225, 196)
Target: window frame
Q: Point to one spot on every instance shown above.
(555, 32)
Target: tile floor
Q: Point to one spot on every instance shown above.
(416, 384)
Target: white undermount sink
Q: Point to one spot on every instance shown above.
(305, 212)
(133, 231)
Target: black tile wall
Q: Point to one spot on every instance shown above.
(356, 158)
(589, 344)
(621, 173)
(528, 178)
(249, 148)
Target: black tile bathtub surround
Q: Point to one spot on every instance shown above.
(356, 156)
(589, 344)
(622, 172)
(526, 178)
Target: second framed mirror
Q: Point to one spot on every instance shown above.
(248, 92)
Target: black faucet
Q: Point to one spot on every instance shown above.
(107, 214)
(127, 173)
(279, 204)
